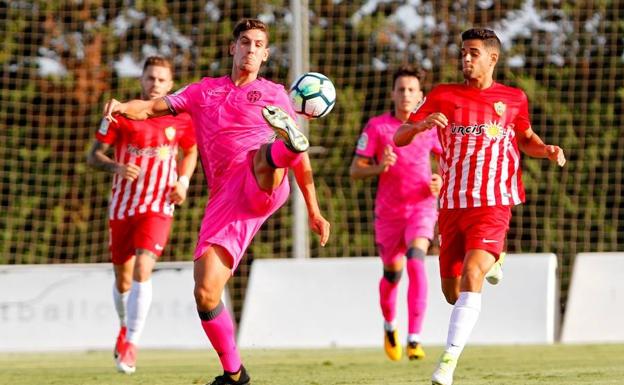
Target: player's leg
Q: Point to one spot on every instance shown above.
(391, 247)
(416, 296)
(484, 234)
(271, 159)
(122, 256)
(121, 292)
(150, 234)
(212, 271)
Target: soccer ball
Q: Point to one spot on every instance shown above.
(312, 95)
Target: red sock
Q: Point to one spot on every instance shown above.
(387, 298)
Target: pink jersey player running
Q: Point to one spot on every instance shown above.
(483, 125)
(245, 171)
(145, 189)
(405, 208)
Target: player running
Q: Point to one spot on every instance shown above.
(246, 172)
(145, 189)
(483, 125)
(405, 208)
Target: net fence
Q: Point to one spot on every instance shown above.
(60, 60)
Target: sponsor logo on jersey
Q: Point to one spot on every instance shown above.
(163, 152)
(170, 132)
(492, 130)
(500, 108)
(253, 96)
(362, 142)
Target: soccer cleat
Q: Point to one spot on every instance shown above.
(415, 351)
(443, 374)
(226, 379)
(126, 362)
(392, 346)
(286, 128)
(495, 275)
(121, 339)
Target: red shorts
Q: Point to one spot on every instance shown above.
(482, 228)
(148, 232)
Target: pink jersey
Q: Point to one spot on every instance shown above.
(228, 120)
(151, 144)
(405, 185)
(481, 161)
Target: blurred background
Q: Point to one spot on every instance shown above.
(60, 60)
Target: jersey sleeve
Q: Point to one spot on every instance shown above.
(108, 131)
(426, 107)
(522, 121)
(367, 142)
(183, 99)
(188, 138)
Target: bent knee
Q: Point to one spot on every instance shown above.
(206, 299)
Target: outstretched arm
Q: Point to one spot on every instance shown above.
(305, 181)
(136, 109)
(363, 167)
(408, 130)
(532, 145)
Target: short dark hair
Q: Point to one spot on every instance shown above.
(158, 61)
(487, 36)
(247, 24)
(408, 70)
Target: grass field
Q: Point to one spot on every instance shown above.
(500, 365)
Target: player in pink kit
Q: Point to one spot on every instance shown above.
(245, 171)
(483, 125)
(405, 207)
(146, 187)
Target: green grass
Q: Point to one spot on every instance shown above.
(500, 365)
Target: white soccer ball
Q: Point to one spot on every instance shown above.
(313, 95)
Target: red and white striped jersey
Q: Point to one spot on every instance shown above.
(480, 163)
(151, 144)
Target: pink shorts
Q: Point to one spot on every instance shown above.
(236, 211)
(482, 228)
(145, 231)
(393, 236)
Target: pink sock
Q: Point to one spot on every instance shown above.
(220, 331)
(416, 294)
(387, 298)
(279, 156)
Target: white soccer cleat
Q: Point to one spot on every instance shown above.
(286, 128)
(443, 374)
(495, 275)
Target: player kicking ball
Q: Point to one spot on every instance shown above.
(482, 125)
(236, 119)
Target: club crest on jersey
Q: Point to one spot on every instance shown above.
(253, 96)
(500, 108)
(170, 132)
(493, 130)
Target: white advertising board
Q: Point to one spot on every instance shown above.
(304, 303)
(59, 307)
